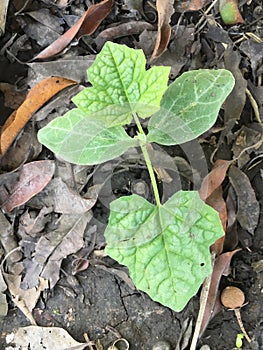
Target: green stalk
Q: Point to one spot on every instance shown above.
(147, 160)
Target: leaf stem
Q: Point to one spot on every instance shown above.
(147, 159)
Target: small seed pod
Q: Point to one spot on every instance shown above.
(232, 297)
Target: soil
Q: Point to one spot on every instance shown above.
(99, 298)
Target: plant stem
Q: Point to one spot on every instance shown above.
(148, 161)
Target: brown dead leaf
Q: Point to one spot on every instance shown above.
(248, 206)
(193, 5)
(3, 11)
(33, 178)
(211, 192)
(236, 100)
(44, 338)
(36, 98)
(53, 247)
(9, 241)
(216, 201)
(86, 25)
(13, 98)
(25, 300)
(67, 201)
(214, 179)
(221, 267)
(165, 10)
(123, 29)
(3, 301)
(32, 223)
(24, 150)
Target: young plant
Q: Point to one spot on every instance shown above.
(164, 245)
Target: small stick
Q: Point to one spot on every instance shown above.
(239, 320)
(254, 106)
(203, 301)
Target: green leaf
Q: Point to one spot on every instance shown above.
(122, 86)
(166, 248)
(81, 140)
(190, 106)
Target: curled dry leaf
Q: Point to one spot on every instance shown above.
(86, 25)
(123, 29)
(33, 178)
(165, 10)
(36, 98)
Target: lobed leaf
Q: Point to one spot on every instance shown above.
(190, 106)
(166, 248)
(81, 140)
(122, 86)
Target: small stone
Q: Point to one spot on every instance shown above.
(162, 345)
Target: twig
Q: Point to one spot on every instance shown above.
(254, 106)
(203, 301)
(239, 320)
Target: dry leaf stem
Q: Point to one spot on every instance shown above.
(203, 301)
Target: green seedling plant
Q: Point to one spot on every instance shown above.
(164, 245)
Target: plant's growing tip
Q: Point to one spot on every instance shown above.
(166, 245)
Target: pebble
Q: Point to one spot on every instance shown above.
(161, 345)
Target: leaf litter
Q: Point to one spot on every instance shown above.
(37, 219)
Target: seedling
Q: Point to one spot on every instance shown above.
(239, 340)
(164, 245)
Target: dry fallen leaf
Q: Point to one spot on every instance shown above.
(33, 178)
(25, 300)
(214, 179)
(216, 201)
(86, 25)
(211, 192)
(248, 206)
(13, 98)
(229, 12)
(235, 102)
(40, 338)
(53, 247)
(3, 12)
(3, 301)
(220, 268)
(36, 98)
(123, 29)
(67, 201)
(165, 10)
(193, 5)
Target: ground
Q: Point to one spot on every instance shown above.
(89, 292)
